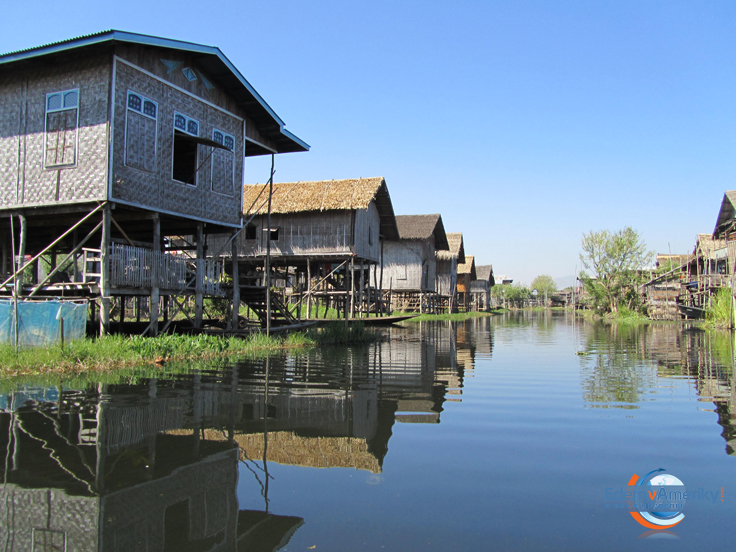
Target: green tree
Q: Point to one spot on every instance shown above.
(615, 260)
(545, 285)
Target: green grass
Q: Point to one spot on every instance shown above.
(453, 316)
(718, 312)
(338, 333)
(115, 351)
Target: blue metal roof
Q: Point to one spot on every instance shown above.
(210, 56)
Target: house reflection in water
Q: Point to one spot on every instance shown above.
(154, 465)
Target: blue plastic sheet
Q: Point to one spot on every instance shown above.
(39, 322)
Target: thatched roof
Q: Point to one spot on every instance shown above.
(457, 249)
(708, 245)
(725, 220)
(468, 267)
(422, 227)
(286, 447)
(484, 272)
(324, 195)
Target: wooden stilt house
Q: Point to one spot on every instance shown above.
(323, 240)
(447, 261)
(409, 263)
(481, 287)
(110, 144)
(465, 275)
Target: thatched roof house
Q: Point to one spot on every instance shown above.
(481, 286)
(447, 261)
(465, 276)
(326, 219)
(409, 262)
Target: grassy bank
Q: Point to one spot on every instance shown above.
(115, 352)
(453, 316)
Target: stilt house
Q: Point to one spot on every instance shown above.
(481, 287)
(112, 142)
(465, 276)
(324, 239)
(410, 262)
(447, 261)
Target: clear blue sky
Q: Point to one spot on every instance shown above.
(524, 123)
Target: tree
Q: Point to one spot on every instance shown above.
(615, 260)
(545, 285)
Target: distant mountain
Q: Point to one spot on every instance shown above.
(564, 282)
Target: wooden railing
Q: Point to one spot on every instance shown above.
(144, 268)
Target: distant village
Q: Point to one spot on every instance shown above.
(122, 159)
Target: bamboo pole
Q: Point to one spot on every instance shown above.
(309, 290)
(268, 252)
(235, 322)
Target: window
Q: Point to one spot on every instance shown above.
(62, 118)
(140, 132)
(223, 163)
(250, 232)
(273, 233)
(184, 167)
(370, 235)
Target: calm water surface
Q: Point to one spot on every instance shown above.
(497, 433)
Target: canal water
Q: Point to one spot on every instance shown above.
(512, 432)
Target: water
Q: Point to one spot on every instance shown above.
(496, 433)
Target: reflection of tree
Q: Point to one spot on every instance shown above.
(613, 371)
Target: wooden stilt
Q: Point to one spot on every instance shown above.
(361, 295)
(105, 272)
(309, 289)
(352, 287)
(199, 282)
(235, 321)
(153, 304)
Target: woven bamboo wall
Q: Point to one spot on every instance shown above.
(157, 190)
(402, 265)
(24, 181)
(300, 234)
(367, 229)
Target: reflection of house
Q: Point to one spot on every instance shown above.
(447, 262)
(125, 140)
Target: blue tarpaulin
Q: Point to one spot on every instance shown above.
(39, 322)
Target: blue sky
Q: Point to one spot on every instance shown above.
(524, 123)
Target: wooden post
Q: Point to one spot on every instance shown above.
(199, 282)
(105, 272)
(268, 252)
(236, 285)
(75, 260)
(21, 253)
(309, 289)
(122, 313)
(352, 287)
(362, 289)
(153, 303)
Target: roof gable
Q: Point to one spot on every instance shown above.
(422, 227)
(724, 222)
(468, 267)
(211, 58)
